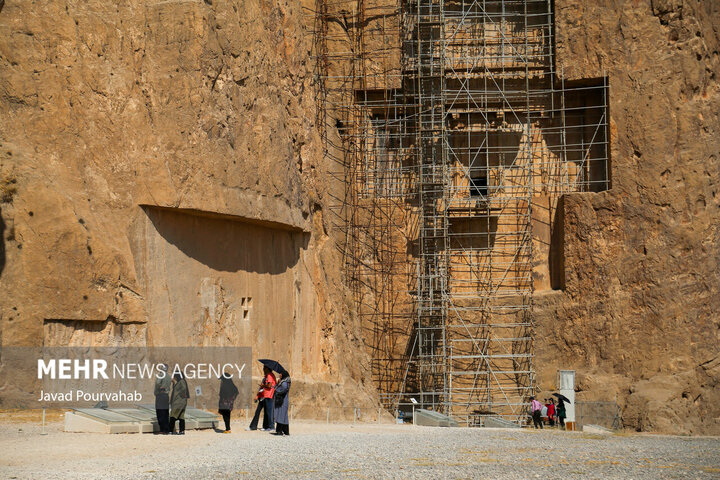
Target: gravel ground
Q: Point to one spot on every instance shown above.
(315, 450)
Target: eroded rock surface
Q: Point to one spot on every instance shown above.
(139, 141)
(639, 318)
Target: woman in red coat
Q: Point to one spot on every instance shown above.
(551, 411)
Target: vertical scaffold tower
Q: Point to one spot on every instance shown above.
(425, 84)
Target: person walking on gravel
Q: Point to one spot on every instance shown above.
(536, 408)
(228, 393)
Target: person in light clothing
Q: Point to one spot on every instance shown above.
(536, 408)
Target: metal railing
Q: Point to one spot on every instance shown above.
(604, 414)
(328, 414)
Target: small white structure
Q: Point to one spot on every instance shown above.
(565, 384)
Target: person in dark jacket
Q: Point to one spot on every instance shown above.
(561, 414)
(178, 402)
(163, 384)
(228, 393)
(282, 405)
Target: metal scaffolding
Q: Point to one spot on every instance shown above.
(455, 140)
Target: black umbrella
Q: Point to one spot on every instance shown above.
(274, 365)
(562, 397)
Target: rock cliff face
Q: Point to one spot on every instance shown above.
(162, 183)
(638, 318)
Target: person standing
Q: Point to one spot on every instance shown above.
(163, 383)
(265, 402)
(178, 402)
(258, 409)
(282, 405)
(228, 393)
(561, 412)
(536, 408)
(551, 412)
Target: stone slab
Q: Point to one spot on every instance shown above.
(131, 420)
(499, 422)
(596, 429)
(430, 418)
(80, 423)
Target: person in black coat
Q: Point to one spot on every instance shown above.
(228, 393)
(162, 399)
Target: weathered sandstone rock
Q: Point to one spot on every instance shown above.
(639, 318)
(162, 184)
